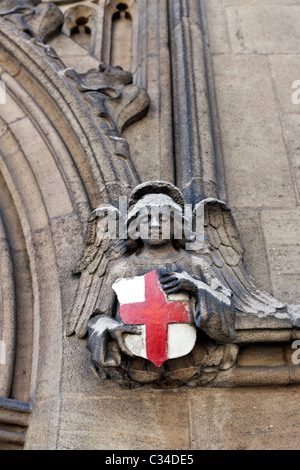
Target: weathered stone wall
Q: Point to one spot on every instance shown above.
(255, 51)
(49, 189)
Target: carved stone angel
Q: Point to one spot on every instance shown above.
(203, 290)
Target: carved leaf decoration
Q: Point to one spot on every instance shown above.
(130, 107)
(117, 104)
(111, 95)
(100, 251)
(40, 20)
(101, 78)
(226, 255)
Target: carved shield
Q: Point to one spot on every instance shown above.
(166, 321)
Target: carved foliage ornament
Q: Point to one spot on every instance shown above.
(112, 96)
(40, 20)
(116, 103)
(159, 313)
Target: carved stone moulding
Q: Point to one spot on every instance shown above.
(14, 420)
(7, 315)
(114, 100)
(40, 20)
(107, 91)
(81, 24)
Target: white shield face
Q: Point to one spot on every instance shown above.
(165, 321)
(177, 347)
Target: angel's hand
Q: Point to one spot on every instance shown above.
(100, 329)
(173, 281)
(117, 331)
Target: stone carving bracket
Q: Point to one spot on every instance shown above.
(113, 99)
(40, 20)
(228, 307)
(112, 96)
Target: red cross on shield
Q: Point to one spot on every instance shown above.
(167, 325)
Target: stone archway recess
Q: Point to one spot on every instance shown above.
(47, 135)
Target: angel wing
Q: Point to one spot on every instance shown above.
(226, 252)
(101, 249)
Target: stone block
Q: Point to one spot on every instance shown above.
(255, 160)
(78, 377)
(10, 63)
(24, 330)
(218, 34)
(285, 69)
(44, 168)
(12, 223)
(47, 358)
(246, 419)
(260, 355)
(282, 235)
(43, 428)
(291, 124)
(252, 28)
(250, 230)
(17, 173)
(140, 421)
(11, 111)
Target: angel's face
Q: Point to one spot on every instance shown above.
(156, 226)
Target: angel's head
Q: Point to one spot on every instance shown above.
(156, 215)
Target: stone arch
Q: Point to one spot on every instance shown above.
(81, 25)
(55, 166)
(121, 37)
(120, 32)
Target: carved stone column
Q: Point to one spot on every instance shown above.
(152, 71)
(196, 152)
